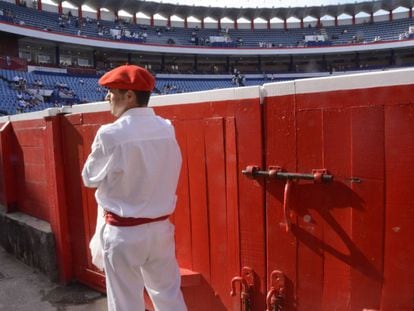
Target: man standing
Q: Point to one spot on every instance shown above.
(135, 164)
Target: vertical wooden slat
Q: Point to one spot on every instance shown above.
(368, 207)
(198, 198)
(398, 289)
(233, 235)
(182, 214)
(337, 210)
(306, 203)
(280, 133)
(217, 211)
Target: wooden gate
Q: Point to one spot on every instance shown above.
(218, 231)
(344, 247)
(343, 244)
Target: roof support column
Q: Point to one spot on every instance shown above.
(285, 24)
(391, 18)
(353, 19)
(134, 18)
(336, 20)
(235, 24)
(80, 11)
(17, 2)
(185, 22)
(169, 21)
(98, 14)
(268, 24)
(152, 21)
(39, 5)
(319, 23)
(219, 23)
(202, 23)
(252, 24)
(410, 13)
(301, 23)
(372, 17)
(60, 9)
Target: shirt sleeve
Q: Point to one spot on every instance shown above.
(97, 165)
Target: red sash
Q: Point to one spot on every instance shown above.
(115, 220)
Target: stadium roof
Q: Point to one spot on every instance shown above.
(166, 9)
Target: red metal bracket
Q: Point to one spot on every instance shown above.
(246, 281)
(276, 295)
(318, 174)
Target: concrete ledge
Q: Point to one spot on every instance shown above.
(31, 240)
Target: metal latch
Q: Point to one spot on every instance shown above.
(275, 172)
(246, 281)
(317, 175)
(275, 297)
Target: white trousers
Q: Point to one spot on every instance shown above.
(140, 256)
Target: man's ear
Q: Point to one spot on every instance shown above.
(130, 96)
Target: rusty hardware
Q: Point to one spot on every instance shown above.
(246, 281)
(275, 297)
(317, 175)
(275, 172)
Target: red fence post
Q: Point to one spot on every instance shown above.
(56, 188)
(8, 186)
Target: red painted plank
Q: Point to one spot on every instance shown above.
(306, 203)
(198, 198)
(280, 135)
(58, 212)
(30, 137)
(368, 207)
(182, 214)
(32, 154)
(35, 172)
(398, 289)
(251, 195)
(337, 210)
(217, 212)
(233, 259)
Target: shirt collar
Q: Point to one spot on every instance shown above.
(141, 111)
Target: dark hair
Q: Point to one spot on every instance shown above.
(141, 96)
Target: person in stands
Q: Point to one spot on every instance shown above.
(135, 163)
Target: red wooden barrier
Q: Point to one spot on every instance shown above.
(8, 186)
(348, 246)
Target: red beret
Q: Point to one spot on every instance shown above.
(128, 77)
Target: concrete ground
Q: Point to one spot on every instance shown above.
(24, 289)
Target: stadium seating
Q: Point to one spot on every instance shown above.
(86, 89)
(334, 35)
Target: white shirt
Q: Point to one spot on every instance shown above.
(135, 164)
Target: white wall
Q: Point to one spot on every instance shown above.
(260, 25)
(89, 14)
(66, 11)
(194, 24)
(347, 21)
(211, 25)
(382, 18)
(50, 8)
(178, 24)
(143, 21)
(227, 25)
(401, 15)
(293, 25)
(277, 26)
(244, 25)
(362, 20)
(328, 23)
(107, 16)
